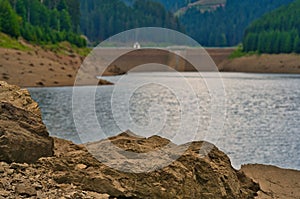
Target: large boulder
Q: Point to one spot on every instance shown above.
(191, 176)
(74, 173)
(23, 136)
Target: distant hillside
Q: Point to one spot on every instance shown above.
(210, 22)
(226, 25)
(173, 5)
(275, 32)
(101, 19)
(202, 6)
(181, 6)
(44, 21)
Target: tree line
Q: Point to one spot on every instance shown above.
(226, 25)
(275, 32)
(101, 19)
(53, 21)
(41, 21)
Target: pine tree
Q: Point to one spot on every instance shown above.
(65, 21)
(62, 5)
(296, 48)
(9, 20)
(278, 31)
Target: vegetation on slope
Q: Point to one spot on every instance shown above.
(275, 32)
(12, 43)
(50, 22)
(62, 48)
(226, 25)
(101, 19)
(41, 21)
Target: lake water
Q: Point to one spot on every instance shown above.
(261, 123)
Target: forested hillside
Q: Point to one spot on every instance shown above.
(53, 21)
(174, 5)
(170, 5)
(226, 25)
(275, 32)
(101, 19)
(45, 21)
(179, 7)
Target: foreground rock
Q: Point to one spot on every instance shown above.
(72, 172)
(23, 136)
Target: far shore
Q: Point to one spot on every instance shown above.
(42, 68)
(265, 63)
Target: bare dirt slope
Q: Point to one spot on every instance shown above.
(265, 63)
(38, 67)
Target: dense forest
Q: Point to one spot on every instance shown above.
(53, 21)
(101, 19)
(275, 32)
(41, 21)
(226, 25)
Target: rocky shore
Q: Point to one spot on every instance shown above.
(35, 165)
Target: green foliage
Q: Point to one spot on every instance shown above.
(9, 20)
(41, 22)
(275, 32)
(226, 25)
(9, 42)
(238, 52)
(101, 19)
(67, 48)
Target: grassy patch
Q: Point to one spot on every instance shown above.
(240, 53)
(61, 48)
(11, 43)
(66, 48)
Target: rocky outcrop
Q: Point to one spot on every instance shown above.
(30, 169)
(192, 175)
(74, 173)
(23, 136)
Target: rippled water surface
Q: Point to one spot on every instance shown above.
(261, 125)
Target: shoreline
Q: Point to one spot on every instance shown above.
(44, 68)
(264, 63)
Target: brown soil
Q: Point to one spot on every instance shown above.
(219, 54)
(281, 63)
(38, 67)
(274, 182)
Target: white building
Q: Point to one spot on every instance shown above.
(136, 45)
